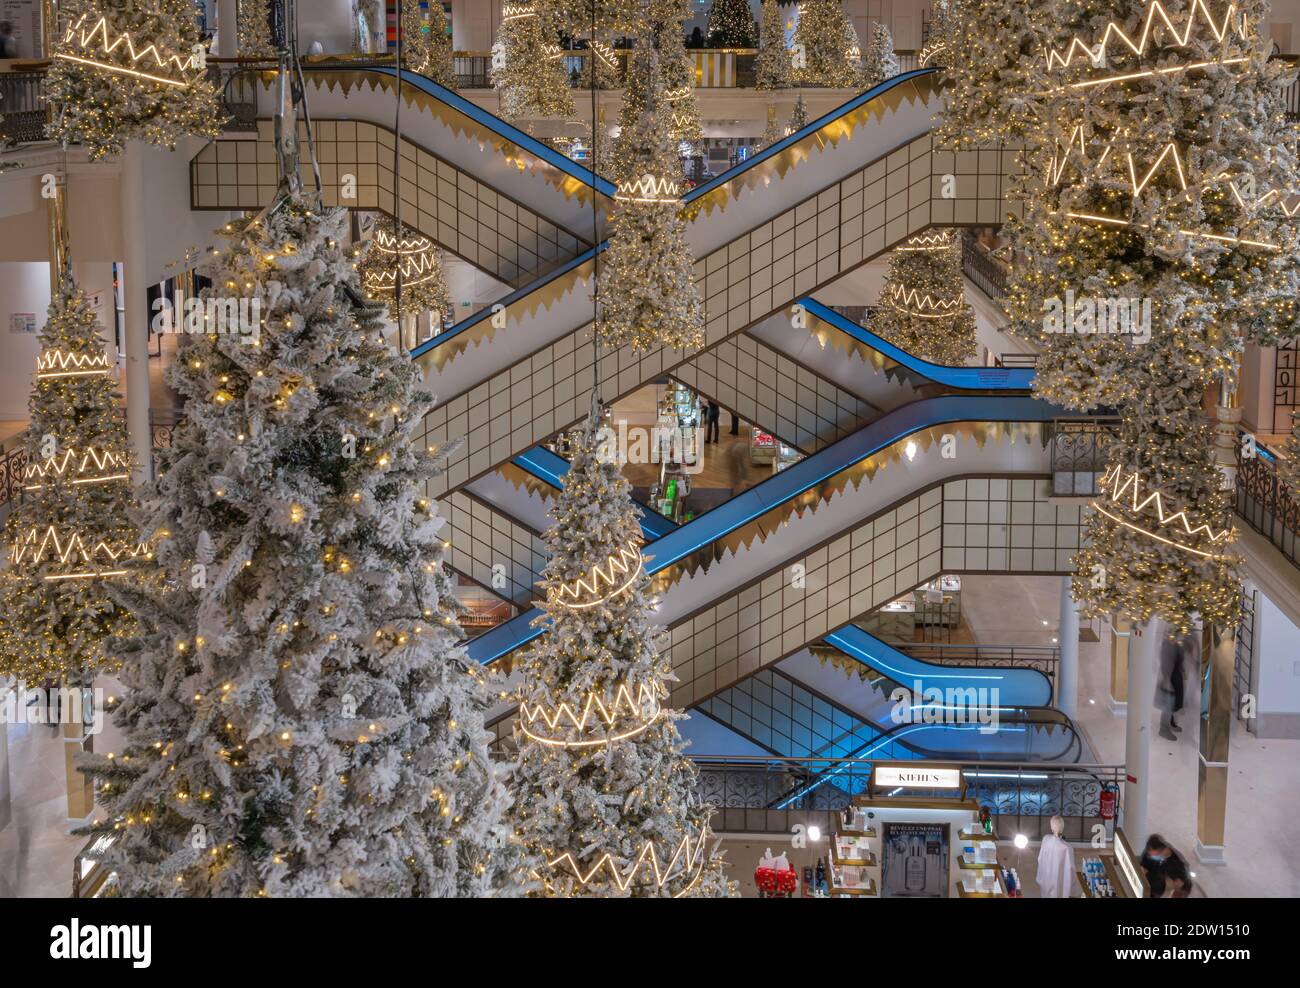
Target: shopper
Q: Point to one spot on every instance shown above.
(8, 43)
(714, 416)
(1178, 881)
(1176, 656)
(1157, 858)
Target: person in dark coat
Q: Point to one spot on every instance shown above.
(714, 414)
(1157, 858)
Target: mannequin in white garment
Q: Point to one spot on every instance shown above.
(1055, 864)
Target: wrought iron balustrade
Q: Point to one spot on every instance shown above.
(980, 266)
(1023, 798)
(1266, 501)
(22, 107)
(1079, 453)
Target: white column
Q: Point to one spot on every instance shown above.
(1067, 671)
(4, 772)
(136, 316)
(227, 28)
(1137, 740)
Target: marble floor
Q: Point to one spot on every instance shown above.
(36, 851)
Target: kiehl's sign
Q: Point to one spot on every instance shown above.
(918, 778)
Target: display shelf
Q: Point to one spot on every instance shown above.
(869, 890)
(860, 859)
(969, 887)
(1112, 876)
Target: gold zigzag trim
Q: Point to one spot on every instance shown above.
(938, 240)
(84, 39)
(687, 861)
(912, 302)
(57, 466)
(59, 363)
(415, 243)
(416, 269)
(1117, 485)
(636, 716)
(647, 188)
(28, 550)
(617, 573)
(1146, 39)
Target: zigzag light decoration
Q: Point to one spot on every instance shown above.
(1116, 38)
(97, 44)
(647, 188)
(414, 256)
(928, 242)
(912, 302)
(1125, 490)
(517, 11)
(686, 863)
(605, 581)
(929, 53)
(32, 548)
(57, 363)
(630, 716)
(605, 52)
(1139, 178)
(103, 461)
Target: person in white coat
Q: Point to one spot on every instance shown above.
(1055, 864)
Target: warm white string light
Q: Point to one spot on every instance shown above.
(97, 43)
(57, 466)
(57, 363)
(1125, 490)
(686, 862)
(630, 715)
(606, 580)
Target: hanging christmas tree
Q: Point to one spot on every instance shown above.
(528, 65)
(299, 720)
(426, 42)
(416, 259)
(255, 29)
(772, 68)
(129, 73)
(618, 18)
(605, 800)
(937, 34)
(922, 308)
(1156, 236)
(646, 284)
(69, 537)
(731, 25)
(881, 63)
(826, 51)
(677, 71)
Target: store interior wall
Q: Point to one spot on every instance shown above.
(1278, 661)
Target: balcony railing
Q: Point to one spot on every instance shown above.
(981, 267)
(22, 107)
(1023, 798)
(1079, 454)
(1266, 501)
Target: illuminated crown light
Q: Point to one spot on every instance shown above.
(928, 242)
(103, 461)
(674, 95)
(32, 548)
(387, 243)
(605, 581)
(1115, 37)
(415, 270)
(685, 865)
(97, 44)
(912, 302)
(1125, 490)
(59, 363)
(647, 188)
(605, 53)
(621, 719)
(929, 53)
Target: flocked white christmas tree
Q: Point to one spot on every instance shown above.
(299, 719)
(528, 64)
(69, 537)
(426, 44)
(922, 307)
(772, 68)
(646, 283)
(604, 798)
(134, 71)
(880, 63)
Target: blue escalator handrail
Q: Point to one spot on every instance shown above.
(498, 126)
(1016, 687)
(792, 482)
(967, 378)
(798, 135)
(515, 296)
(550, 468)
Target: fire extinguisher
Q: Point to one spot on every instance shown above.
(1107, 802)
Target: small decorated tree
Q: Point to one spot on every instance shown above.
(605, 801)
(922, 307)
(881, 63)
(528, 66)
(731, 25)
(416, 259)
(426, 42)
(772, 68)
(70, 536)
(826, 51)
(255, 29)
